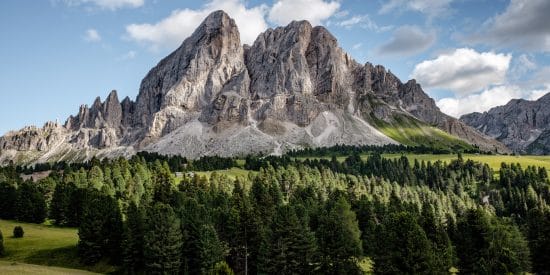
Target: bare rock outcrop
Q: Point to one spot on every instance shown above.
(522, 125)
(293, 87)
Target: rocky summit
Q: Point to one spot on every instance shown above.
(293, 88)
(522, 125)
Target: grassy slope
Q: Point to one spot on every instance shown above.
(410, 131)
(494, 161)
(44, 245)
(12, 268)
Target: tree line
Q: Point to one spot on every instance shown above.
(296, 216)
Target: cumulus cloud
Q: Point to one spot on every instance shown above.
(481, 102)
(108, 4)
(408, 40)
(172, 30)
(463, 71)
(92, 35)
(315, 11)
(432, 8)
(524, 23)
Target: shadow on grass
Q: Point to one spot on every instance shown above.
(68, 257)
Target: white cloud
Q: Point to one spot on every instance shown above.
(487, 99)
(108, 4)
(92, 35)
(357, 46)
(364, 22)
(172, 30)
(432, 8)
(315, 11)
(463, 71)
(408, 40)
(524, 23)
(480, 102)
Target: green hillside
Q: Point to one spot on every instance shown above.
(410, 131)
(43, 245)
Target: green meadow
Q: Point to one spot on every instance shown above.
(43, 245)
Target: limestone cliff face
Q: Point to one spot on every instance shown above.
(192, 77)
(522, 125)
(293, 87)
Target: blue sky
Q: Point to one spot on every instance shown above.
(469, 55)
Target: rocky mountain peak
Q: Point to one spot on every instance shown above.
(293, 87)
(520, 124)
(190, 78)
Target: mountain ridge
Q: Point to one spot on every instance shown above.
(293, 87)
(522, 125)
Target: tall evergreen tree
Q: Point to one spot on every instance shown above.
(404, 247)
(442, 249)
(211, 249)
(339, 238)
(162, 240)
(292, 247)
(60, 204)
(31, 206)
(133, 243)
(8, 200)
(100, 230)
(538, 233)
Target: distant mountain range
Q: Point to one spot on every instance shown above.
(293, 88)
(522, 125)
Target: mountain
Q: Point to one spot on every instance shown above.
(294, 87)
(522, 125)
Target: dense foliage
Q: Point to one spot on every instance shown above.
(295, 215)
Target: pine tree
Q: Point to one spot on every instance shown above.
(162, 240)
(31, 206)
(538, 233)
(292, 248)
(339, 238)
(471, 241)
(100, 230)
(404, 247)
(8, 200)
(441, 244)
(59, 206)
(211, 249)
(133, 239)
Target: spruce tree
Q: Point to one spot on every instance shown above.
(292, 248)
(441, 244)
(538, 233)
(339, 238)
(60, 203)
(133, 243)
(100, 230)
(163, 240)
(404, 247)
(211, 249)
(31, 206)
(8, 200)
